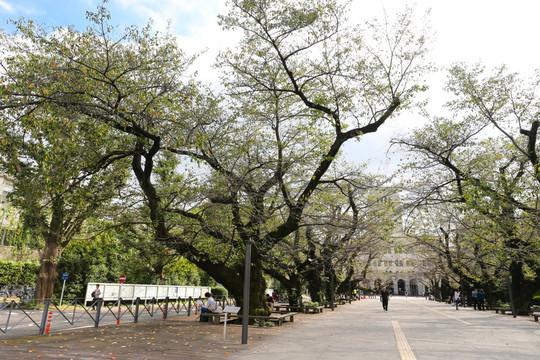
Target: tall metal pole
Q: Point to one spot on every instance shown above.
(247, 275)
(332, 294)
(62, 295)
(350, 293)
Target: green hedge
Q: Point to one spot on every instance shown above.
(219, 291)
(18, 273)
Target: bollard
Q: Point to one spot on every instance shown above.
(98, 312)
(44, 317)
(49, 319)
(119, 315)
(137, 302)
(166, 309)
(189, 307)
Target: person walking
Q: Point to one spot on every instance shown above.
(457, 298)
(385, 296)
(480, 295)
(474, 297)
(96, 294)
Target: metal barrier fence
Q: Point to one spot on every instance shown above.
(17, 320)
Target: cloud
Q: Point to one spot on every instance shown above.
(5, 6)
(194, 23)
(183, 14)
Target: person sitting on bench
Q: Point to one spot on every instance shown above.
(270, 301)
(210, 307)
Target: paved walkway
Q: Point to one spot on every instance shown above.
(413, 328)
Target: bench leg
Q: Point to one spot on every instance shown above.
(535, 318)
(291, 318)
(261, 323)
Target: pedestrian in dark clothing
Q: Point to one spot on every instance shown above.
(270, 301)
(474, 298)
(384, 298)
(480, 296)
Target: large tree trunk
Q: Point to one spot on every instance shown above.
(522, 290)
(314, 275)
(257, 287)
(293, 283)
(257, 299)
(229, 276)
(445, 289)
(232, 278)
(294, 291)
(47, 272)
(315, 286)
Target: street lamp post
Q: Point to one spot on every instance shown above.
(247, 275)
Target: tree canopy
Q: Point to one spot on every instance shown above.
(215, 171)
(483, 162)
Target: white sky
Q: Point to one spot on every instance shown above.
(494, 32)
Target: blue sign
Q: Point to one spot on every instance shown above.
(65, 276)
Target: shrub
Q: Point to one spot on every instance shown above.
(219, 291)
(18, 273)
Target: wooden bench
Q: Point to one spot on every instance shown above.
(275, 318)
(312, 309)
(503, 310)
(278, 308)
(278, 319)
(214, 318)
(303, 309)
(535, 315)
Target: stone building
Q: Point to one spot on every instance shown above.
(399, 266)
(400, 270)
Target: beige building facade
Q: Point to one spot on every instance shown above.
(399, 267)
(401, 271)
